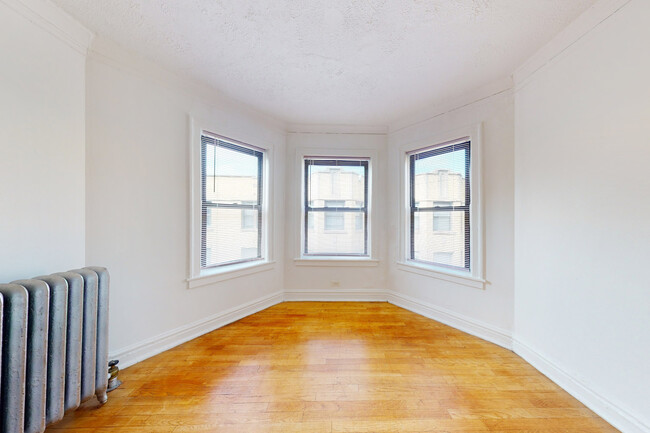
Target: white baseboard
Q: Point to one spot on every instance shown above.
(336, 295)
(611, 413)
(474, 327)
(146, 349)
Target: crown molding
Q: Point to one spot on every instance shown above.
(580, 27)
(499, 87)
(298, 128)
(55, 21)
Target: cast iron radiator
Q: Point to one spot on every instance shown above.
(54, 347)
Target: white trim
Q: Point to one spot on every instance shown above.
(477, 328)
(610, 412)
(197, 128)
(335, 295)
(336, 261)
(229, 272)
(194, 234)
(55, 21)
(298, 193)
(336, 129)
(146, 349)
(439, 274)
(498, 87)
(474, 134)
(584, 24)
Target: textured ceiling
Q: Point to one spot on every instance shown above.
(354, 62)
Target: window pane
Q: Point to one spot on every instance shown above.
(336, 233)
(226, 239)
(231, 202)
(230, 176)
(440, 178)
(439, 238)
(340, 186)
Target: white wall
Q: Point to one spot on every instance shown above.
(94, 169)
(138, 197)
(42, 125)
(306, 280)
(582, 210)
(492, 308)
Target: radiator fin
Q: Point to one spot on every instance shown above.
(14, 358)
(72, 393)
(37, 340)
(89, 335)
(101, 377)
(57, 330)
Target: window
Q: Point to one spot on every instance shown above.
(248, 253)
(248, 218)
(336, 207)
(231, 202)
(443, 258)
(334, 220)
(441, 221)
(358, 222)
(439, 181)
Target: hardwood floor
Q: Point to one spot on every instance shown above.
(335, 367)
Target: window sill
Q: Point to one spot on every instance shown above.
(336, 262)
(463, 279)
(212, 276)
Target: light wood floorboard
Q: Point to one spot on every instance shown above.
(335, 367)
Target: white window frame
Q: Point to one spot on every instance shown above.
(299, 212)
(475, 277)
(345, 220)
(201, 277)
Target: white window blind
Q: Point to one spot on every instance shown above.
(440, 206)
(231, 203)
(336, 207)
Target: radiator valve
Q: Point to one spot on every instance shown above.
(113, 371)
